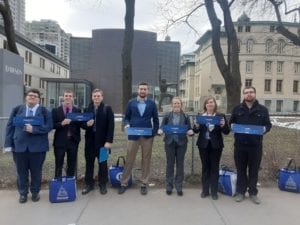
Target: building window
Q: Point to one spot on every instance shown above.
(240, 28)
(297, 67)
(58, 70)
(249, 46)
(52, 67)
(248, 83)
(42, 63)
(279, 67)
(295, 86)
(268, 85)
(279, 86)
(268, 66)
(248, 29)
(28, 80)
(42, 84)
(28, 57)
(239, 45)
(272, 28)
(249, 66)
(296, 106)
(269, 44)
(279, 104)
(268, 104)
(280, 47)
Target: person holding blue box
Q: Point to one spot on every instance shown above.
(66, 136)
(99, 134)
(248, 145)
(141, 113)
(29, 144)
(176, 126)
(210, 126)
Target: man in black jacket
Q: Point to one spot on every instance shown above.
(248, 147)
(67, 135)
(99, 133)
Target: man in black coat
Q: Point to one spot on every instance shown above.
(99, 133)
(67, 135)
(248, 147)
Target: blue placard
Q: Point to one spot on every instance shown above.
(80, 116)
(20, 121)
(139, 131)
(175, 129)
(215, 120)
(247, 129)
(103, 154)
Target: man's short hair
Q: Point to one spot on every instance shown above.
(143, 83)
(97, 90)
(249, 87)
(34, 90)
(68, 91)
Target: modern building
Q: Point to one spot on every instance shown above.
(98, 59)
(186, 81)
(268, 61)
(38, 63)
(17, 8)
(49, 35)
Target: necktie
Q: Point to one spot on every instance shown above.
(67, 110)
(30, 112)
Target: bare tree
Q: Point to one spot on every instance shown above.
(126, 53)
(229, 68)
(8, 26)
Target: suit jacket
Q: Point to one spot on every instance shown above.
(105, 125)
(20, 140)
(134, 119)
(61, 132)
(215, 135)
(168, 120)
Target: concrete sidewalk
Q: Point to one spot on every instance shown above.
(131, 208)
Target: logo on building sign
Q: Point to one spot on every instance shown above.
(13, 70)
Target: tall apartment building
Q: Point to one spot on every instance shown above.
(268, 61)
(17, 8)
(49, 35)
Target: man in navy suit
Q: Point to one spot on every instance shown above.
(140, 111)
(29, 144)
(67, 135)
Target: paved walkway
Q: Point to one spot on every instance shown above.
(156, 208)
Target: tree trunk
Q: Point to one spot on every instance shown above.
(126, 53)
(230, 70)
(8, 27)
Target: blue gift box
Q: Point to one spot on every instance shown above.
(215, 120)
(80, 116)
(20, 121)
(247, 129)
(175, 129)
(139, 131)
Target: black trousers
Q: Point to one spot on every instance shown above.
(90, 155)
(247, 158)
(210, 158)
(59, 153)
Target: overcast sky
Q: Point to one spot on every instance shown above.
(79, 19)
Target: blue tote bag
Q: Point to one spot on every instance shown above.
(62, 189)
(227, 181)
(289, 177)
(116, 172)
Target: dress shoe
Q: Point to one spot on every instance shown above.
(87, 189)
(35, 197)
(255, 199)
(168, 192)
(214, 196)
(239, 198)
(179, 193)
(204, 194)
(122, 189)
(102, 189)
(144, 190)
(23, 198)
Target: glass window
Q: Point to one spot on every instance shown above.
(248, 82)
(279, 67)
(42, 63)
(278, 85)
(268, 66)
(249, 46)
(279, 104)
(297, 67)
(268, 85)
(269, 44)
(28, 80)
(248, 29)
(240, 28)
(280, 47)
(249, 65)
(295, 86)
(296, 106)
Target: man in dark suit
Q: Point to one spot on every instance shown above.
(99, 133)
(67, 135)
(29, 144)
(141, 112)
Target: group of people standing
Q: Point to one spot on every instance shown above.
(29, 143)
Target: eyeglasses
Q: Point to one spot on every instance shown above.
(33, 96)
(249, 92)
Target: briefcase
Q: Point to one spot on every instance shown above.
(116, 172)
(289, 177)
(62, 189)
(227, 181)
